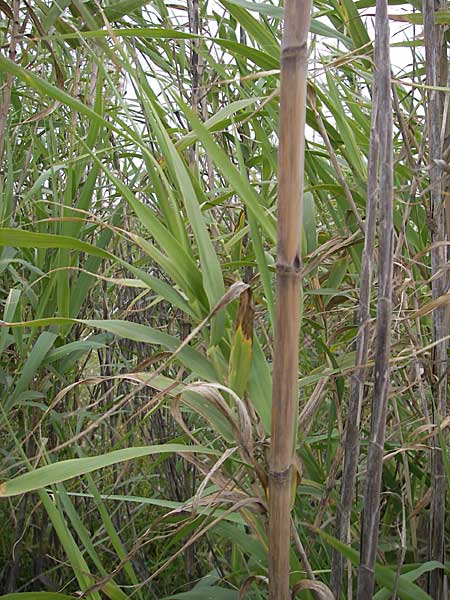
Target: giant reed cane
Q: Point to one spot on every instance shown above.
(294, 58)
(383, 105)
(436, 75)
(351, 440)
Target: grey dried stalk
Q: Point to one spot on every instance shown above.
(383, 105)
(351, 440)
(436, 74)
(194, 27)
(294, 57)
(7, 88)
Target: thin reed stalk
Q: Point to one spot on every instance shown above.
(435, 54)
(383, 105)
(7, 88)
(351, 440)
(294, 57)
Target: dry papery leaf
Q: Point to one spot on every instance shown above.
(259, 579)
(321, 591)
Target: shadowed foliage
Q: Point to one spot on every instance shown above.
(189, 192)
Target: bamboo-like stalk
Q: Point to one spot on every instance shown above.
(436, 74)
(294, 58)
(351, 440)
(7, 88)
(383, 101)
(193, 9)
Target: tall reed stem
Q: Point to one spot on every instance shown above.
(383, 106)
(351, 440)
(436, 75)
(294, 57)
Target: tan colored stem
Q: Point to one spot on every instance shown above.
(294, 58)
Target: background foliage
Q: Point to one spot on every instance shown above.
(138, 191)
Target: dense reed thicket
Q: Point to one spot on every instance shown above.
(142, 153)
